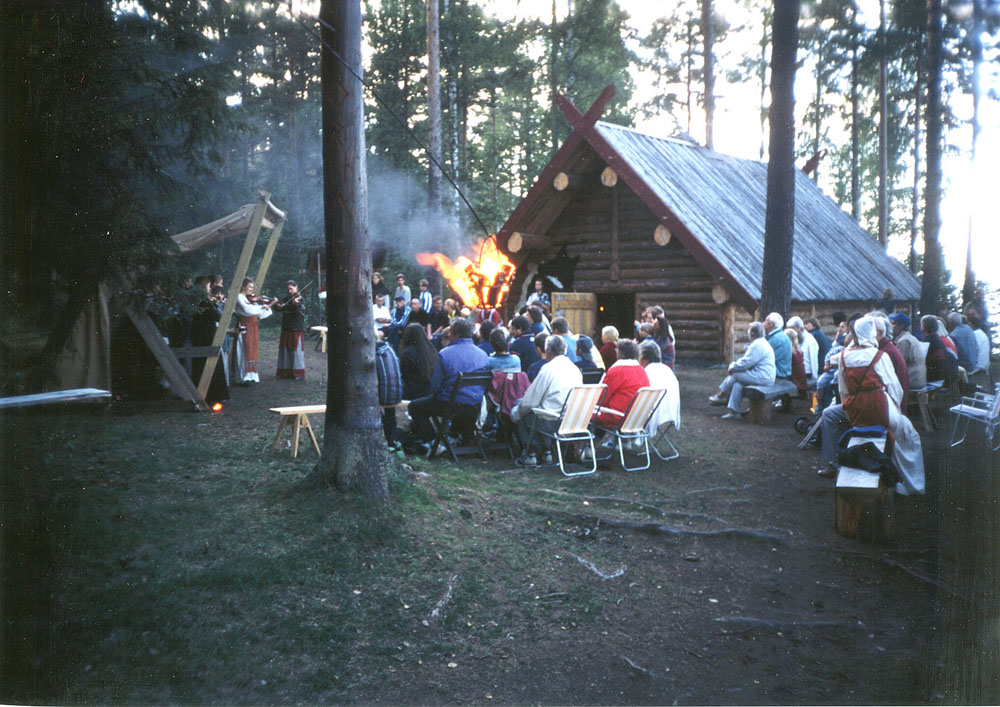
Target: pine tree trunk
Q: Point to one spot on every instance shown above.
(708, 49)
(883, 131)
(915, 202)
(855, 117)
(453, 116)
(969, 285)
(930, 290)
(354, 450)
(779, 223)
(434, 103)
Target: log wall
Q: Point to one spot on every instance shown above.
(665, 275)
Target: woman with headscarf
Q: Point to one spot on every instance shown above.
(872, 396)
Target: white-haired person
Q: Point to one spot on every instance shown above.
(871, 395)
(661, 376)
(774, 329)
(548, 391)
(809, 346)
(754, 367)
(609, 346)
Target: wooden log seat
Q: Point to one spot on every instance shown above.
(864, 503)
(761, 396)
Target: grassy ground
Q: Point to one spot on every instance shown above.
(154, 555)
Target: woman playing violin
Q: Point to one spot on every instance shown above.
(292, 346)
(249, 312)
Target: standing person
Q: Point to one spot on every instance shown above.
(249, 312)
(390, 387)
(425, 296)
(203, 326)
(379, 287)
(402, 290)
(540, 298)
(381, 315)
(663, 335)
(292, 344)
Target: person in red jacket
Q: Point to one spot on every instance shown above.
(623, 379)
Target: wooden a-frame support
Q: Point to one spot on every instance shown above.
(242, 265)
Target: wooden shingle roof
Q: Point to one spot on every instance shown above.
(715, 205)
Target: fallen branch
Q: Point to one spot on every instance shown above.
(442, 603)
(644, 672)
(593, 568)
(744, 487)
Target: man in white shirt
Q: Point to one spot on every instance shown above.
(809, 346)
(548, 392)
(380, 313)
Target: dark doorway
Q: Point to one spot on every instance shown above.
(616, 309)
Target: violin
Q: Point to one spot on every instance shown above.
(261, 299)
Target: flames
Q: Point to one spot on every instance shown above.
(481, 281)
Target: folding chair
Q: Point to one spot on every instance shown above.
(592, 376)
(661, 436)
(982, 409)
(506, 389)
(441, 423)
(580, 405)
(634, 421)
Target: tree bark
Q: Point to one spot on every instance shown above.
(915, 202)
(883, 131)
(855, 139)
(354, 451)
(779, 223)
(434, 103)
(975, 37)
(930, 290)
(708, 49)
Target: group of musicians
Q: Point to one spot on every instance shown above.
(250, 308)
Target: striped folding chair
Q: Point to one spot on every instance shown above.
(635, 419)
(574, 426)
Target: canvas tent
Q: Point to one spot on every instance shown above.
(82, 355)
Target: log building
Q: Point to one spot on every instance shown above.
(664, 221)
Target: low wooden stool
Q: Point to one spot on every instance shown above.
(923, 396)
(301, 414)
(864, 503)
(760, 397)
(321, 330)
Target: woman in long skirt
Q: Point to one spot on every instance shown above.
(249, 314)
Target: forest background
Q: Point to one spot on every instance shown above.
(127, 120)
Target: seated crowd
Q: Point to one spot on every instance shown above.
(419, 359)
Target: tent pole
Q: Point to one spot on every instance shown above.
(268, 254)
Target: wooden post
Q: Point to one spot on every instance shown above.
(609, 177)
(728, 321)
(519, 241)
(265, 263)
(564, 180)
(172, 368)
(242, 265)
(615, 270)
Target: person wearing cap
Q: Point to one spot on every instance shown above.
(402, 289)
(585, 353)
(910, 348)
(398, 321)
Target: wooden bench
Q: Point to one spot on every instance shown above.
(864, 505)
(55, 396)
(760, 397)
(301, 413)
(321, 330)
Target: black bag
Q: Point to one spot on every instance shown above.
(869, 458)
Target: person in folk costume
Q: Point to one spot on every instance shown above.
(203, 325)
(872, 394)
(292, 345)
(249, 311)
